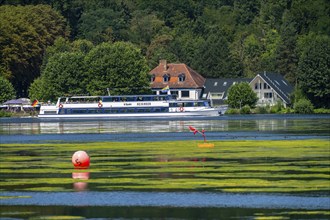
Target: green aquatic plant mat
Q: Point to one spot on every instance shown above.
(284, 166)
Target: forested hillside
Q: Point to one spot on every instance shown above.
(223, 38)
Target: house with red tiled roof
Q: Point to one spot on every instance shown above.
(179, 78)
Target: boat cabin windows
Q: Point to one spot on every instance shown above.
(82, 99)
(111, 110)
(63, 100)
(189, 104)
(141, 98)
(185, 94)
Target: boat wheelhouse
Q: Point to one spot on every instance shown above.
(128, 106)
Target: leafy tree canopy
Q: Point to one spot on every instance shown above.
(241, 94)
(226, 38)
(314, 68)
(25, 33)
(7, 91)
(64, 74)
(115, 66)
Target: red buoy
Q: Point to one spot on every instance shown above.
(80, 159)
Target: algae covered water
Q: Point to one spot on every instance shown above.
(261, 170)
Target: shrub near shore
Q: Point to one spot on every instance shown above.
(269, 110)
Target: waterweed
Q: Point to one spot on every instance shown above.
(286, 166)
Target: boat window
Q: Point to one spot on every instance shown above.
(130, 99)
(107, 99)
(116, 99)
(147, 98)
(62, 100)
(185, 94)
(49, 112)
(96, 111)
(79, 111)
(161, 109)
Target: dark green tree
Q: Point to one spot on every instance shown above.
(246, 11)
(64, 74)
(25, 33)
(252, 53)
(271, 12)
(286, 57)
(102, 25)
(7, 91)
(241, 94)
(160, 49)
(214, 57)
(270, 43)
(120, 67)
(144, 28)
(314, 68)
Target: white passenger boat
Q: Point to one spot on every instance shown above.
(128, 106)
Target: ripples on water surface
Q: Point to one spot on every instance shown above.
(273, 127)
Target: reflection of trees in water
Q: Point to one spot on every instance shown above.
(152, 126)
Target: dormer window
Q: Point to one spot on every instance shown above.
(166, 78)
(152, 79)
(182, 77)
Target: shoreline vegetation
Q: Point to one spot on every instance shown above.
(248, 166)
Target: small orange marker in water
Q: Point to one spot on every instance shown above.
(80, 159)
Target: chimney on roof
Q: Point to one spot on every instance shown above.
(163, 63)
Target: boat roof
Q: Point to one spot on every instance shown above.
(151, 95)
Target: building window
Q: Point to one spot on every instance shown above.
(224, 83)
(217, 95)
(257, 86)
(268, 95)
(266, 86)
(185, 94)
(153, 78)
(182, 77)
(166, 78)
(215, 83)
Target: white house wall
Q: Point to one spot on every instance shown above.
(260, 91)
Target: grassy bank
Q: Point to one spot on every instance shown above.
(291, 166)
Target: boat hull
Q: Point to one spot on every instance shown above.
(206, 113)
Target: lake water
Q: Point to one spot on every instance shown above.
(260, 127)
(108, 191)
